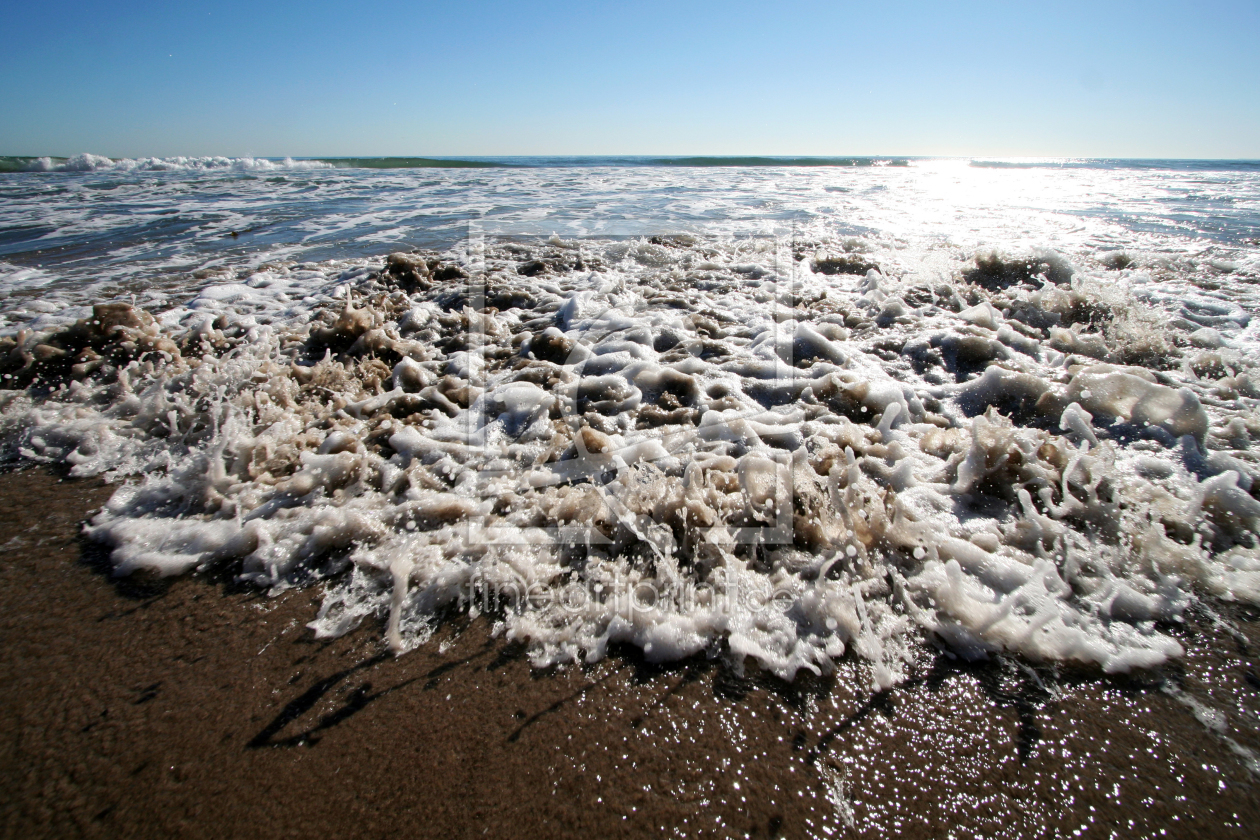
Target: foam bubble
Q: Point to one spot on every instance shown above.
(650, 449)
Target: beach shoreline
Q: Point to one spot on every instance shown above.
(148, 708)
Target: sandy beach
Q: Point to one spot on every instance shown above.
(149, 708)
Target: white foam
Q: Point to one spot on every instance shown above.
(98, 163)
(320, 422)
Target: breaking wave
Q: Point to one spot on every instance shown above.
(99, 163)
(777, 161)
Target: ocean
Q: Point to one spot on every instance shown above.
(815, 419)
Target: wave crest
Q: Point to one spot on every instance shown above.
(98, 163)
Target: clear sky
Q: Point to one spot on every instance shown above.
(378, 77)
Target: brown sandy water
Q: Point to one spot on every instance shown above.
(152, 708)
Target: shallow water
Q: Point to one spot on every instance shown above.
(84, 236)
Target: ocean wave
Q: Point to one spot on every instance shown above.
(414, 163)
(702, 161)
(1175, 165)
(99, 163)
(610, 160)
(1025, 163)
(604, 160)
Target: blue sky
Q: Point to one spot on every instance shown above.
(1153, 79)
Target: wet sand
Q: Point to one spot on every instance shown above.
(147, 708)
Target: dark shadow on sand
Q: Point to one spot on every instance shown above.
(358, 699)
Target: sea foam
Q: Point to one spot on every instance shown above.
(99, 163)
(683, 444)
